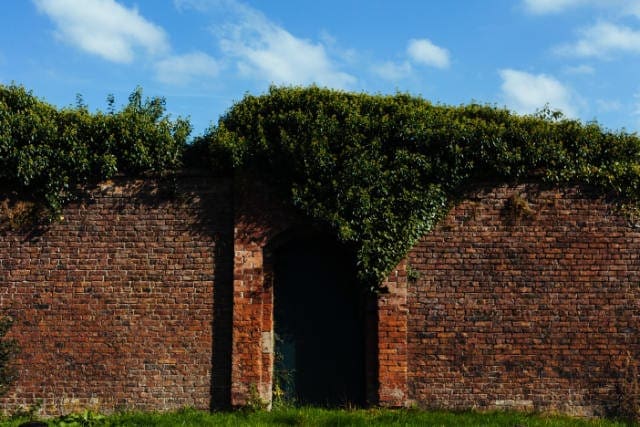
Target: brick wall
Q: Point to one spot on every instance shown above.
(115, 304)
(522, 297)
(525, 298)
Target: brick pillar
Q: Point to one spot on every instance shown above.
(252, 335)
(392, 339)
(258, 216)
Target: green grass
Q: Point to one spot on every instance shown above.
(320, 417)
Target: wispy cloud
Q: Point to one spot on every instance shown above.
(393, 71)
(423, 51)
(633, 8)
(525, 93)
(579, 69)
(199, 5)
(265, 51)
(555, 6)
(603, 40)
(104, 28)
(419, 52)
(547, 7)
(183, 69)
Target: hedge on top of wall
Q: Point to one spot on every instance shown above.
(51, 154)
(379, 171)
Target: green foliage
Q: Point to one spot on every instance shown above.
(255, 402)
(382, 170)
(378, 171)
(308, 416)
(52, 153)
(84, 419)
(283, 377)
(8, 350)
(412, 274)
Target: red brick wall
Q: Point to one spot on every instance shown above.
(534, 307)
(115, 304)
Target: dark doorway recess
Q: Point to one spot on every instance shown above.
(318, 313)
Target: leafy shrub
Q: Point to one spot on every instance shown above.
(378, 171)
(381, 170)
(52, 154)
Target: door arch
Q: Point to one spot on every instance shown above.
(318, 323)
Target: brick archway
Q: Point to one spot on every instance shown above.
(318, 322)
(259, 221)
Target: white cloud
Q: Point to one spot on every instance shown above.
(104, 28)
(393, 71)
(620, 7)
(580, 69)
(633, 8)
(183, 69)
(554, 6)
(525, 93)
(198, 5)
(603, 39)
(265, 51)
(541, 7)
(418, 52)
(423, 51)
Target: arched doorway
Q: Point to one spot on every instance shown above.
(319, 324)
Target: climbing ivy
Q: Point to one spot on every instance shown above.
(52, 154)
(379, 171)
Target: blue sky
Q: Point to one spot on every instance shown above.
(579, 56)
